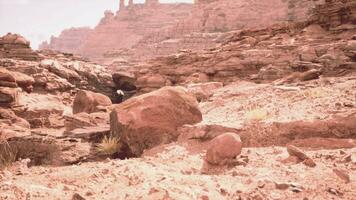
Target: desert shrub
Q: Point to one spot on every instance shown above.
(8, 154)
(256, 114)
(109, 145)
(315, 93)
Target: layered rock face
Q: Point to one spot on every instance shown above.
(138, 32)
(264, 54)
(120, 31)
(15, 46)
(69, 41)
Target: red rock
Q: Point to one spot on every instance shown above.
(342, 174)
(203, 91)
(295, 151)
(223, 149)
(8, 96)
(16, 46)
(87, 101)
(151, 119)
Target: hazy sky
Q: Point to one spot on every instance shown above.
(37, 20)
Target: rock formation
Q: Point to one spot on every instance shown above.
(145, 31)
(69, 41)
(262, 55)
(15, 46)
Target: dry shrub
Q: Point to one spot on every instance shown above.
(256, 114)
(109, 145)
(315, 93)
(8, 154)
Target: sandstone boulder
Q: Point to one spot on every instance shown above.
(8, 96)
(87, 101)
(153, 118)
(223, 149)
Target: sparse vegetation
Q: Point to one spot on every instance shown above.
(109, 145)
(256, 114)
(8, 155)
(315, 93)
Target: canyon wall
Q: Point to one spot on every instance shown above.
(68, 41)
(141, 31)
(323, 44)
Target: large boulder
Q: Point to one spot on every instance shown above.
(153, 118)
(89, 102)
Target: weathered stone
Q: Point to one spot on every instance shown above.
(8, 96)
(202, 91)
(83, 119)
(152, 119)
(86, 101)
(342, 174)
(223, 149)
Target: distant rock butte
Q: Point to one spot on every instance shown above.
(141, 31)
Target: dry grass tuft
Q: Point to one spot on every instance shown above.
(256, 114)
(109, 145)
(8, 155)
(315, 93)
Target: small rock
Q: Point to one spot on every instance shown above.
(158, 194)
(281, 186)
(77, 196)
(309, 162)
(295, 151)
(342, 174)
(334, 192)
(223, 149)
(204, 197)
(346, 159)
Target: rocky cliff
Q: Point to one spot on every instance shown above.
(123, 30)
(324, 44)
(138, 32)
(69, 41)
